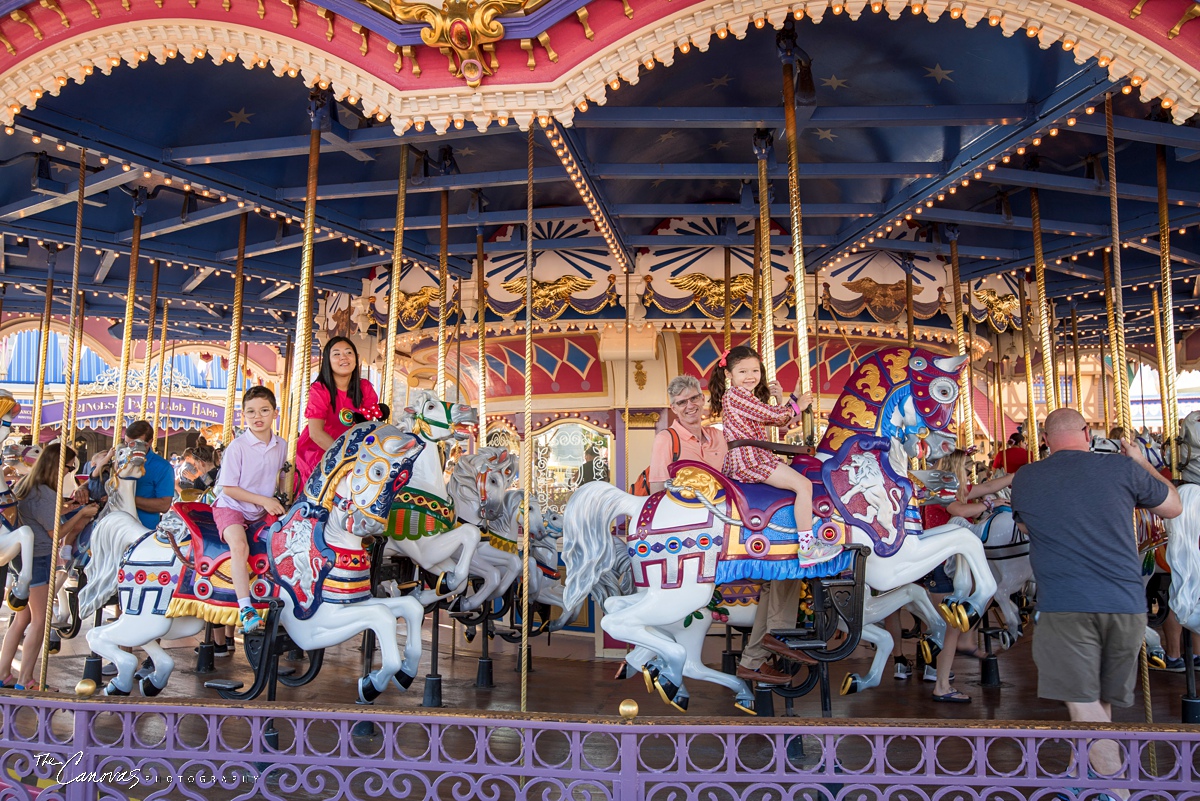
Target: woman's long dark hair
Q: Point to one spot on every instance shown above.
(717, 382)
(326, 379)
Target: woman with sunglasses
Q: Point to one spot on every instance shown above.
(35, 495)
(687, 437)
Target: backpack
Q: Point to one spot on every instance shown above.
(642, 485)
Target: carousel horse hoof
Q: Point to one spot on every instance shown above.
(668, 691)
(16, 602)
(149, 688)
(649, 675)
(930, 651)
(112, 690)
(442, 585)
(625, 671)
(469, 633)
(850, 684)
(1006, 640)
(948, 614)
(745, 706)
(1157, 662)
(403, 680)
(967, 617)
(366, 691)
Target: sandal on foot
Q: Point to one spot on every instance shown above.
(952, 697)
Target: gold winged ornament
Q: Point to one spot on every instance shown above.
(710, 292)
(877, 295)
(465, 27)
(1001, 309)
(548, 294)
(414, 306)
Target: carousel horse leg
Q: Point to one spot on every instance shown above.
(875, 610)
(692, 639)
(410, 610)
(1010, 577)
(156, 682)
(130, 631)
(1155, 653)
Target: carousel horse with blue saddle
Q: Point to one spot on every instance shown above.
(309, 566)
(704, 530)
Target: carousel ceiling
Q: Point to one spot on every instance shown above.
(911, 133)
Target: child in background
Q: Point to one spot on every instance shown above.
(247, 480)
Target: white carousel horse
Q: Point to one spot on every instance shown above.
(423, 524)
(1007, 549)
(15, 539)
(705, 530)
(479, 486)
(170, 585)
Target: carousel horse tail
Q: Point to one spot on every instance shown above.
(1184, 558)
(588, 548)
(110, 539)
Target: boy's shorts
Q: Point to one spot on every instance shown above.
(225, 517)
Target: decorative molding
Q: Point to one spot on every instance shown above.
(639, 374)
(641, 419)
(1089, 34)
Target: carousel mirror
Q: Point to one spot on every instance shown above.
(566, 456)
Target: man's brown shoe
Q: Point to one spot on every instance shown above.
(779, 647)
(764, 675)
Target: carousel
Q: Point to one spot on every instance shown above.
(518, 222)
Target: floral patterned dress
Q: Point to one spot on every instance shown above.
(746, 417)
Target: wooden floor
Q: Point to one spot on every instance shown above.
(566, 678)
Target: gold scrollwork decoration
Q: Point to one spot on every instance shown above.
(1001, 309)
(870, 384)
(642, 419)
(708, 294)
(855, 412)
(877, 295)
(897, 365)
(22, 16)
(415, 307)
(696, 481)
(552, 298)
(463, 26)
(1189, 15)
(639, 375)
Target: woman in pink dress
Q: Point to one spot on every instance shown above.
(333, 399)
(740, 394)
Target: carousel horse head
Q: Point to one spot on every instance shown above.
(1151, 449)
(434, 419)
(129, 462)
(480, 480)
(934, 486)
(921, 414)
(9, 409)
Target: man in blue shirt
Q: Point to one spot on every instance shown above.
(156, 489)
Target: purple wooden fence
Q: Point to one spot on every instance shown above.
(66, 749)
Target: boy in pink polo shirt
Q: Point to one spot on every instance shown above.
(247, 481)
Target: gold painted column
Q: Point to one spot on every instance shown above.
(1049, 371)
(1031, 425)
(1160, 364)
(162, 368)
(127, 335)
(235, 332)
(393, 323)
(791, 128)
(39, 386)
(1079, 406)
(74, 406)
(1167, 320)
(481, 334)
(444, 290)
(763, 146)
(966, 431)
(527, 483)
(728, 300)
(1116, 302)
(909, 311)
(142, 412)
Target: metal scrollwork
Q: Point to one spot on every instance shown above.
(565, 457)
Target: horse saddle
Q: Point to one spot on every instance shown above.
(756, 504)
(209, 550)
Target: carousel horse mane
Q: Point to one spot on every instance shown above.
(1184, 558)
(463, 485)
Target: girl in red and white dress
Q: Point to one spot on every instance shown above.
(740, 394)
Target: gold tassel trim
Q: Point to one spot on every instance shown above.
(209, 613)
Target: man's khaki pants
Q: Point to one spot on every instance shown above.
(778, 603)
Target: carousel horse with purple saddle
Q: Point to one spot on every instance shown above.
(310, 565)
(705, 531)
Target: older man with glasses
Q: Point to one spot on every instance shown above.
(686, 438)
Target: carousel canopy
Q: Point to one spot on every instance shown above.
(910, 134)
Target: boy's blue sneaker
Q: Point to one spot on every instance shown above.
(250, 620)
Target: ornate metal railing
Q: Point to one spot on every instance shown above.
(66, 749)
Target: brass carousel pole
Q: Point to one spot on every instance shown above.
(444, 290)
(162, 368)
(318, 107)
(966, 431)
(1049, 369)
(763, 147)
(289, 359)
(728, 300)
(44, 347)
(756, 289)
(1160, 363)
(1167, 320)
(1116, 304)
(1031, 425)
(1104, 387)
(816, 396)
(787, 50)
(235, 338)
(393, 323)
(527, 468)
(998, 397)
(64, 435)
(909, 311)
(145, 399)
(135, 248)
(1075, 353)
(74, 408)
(481, 334)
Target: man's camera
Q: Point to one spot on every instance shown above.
(1106, 445)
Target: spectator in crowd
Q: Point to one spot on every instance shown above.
(1014, 456)
(1077, 508)
(687, 437)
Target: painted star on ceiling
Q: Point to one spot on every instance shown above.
(465, 151)
(656, 183)
(667, 137)
(938, 74)
(826, 133)
(834, 82)
(240, 117)
(720, 144)
(716, 83)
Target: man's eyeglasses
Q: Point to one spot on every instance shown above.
(694, 400)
